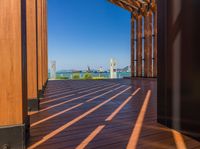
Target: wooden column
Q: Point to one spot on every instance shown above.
(155, 44)
(13, 71)
(139, 46)
(39, 44)
(132, 46)
(32, 76)
(44, 43)
(148, 45)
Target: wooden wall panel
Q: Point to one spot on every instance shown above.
(31, 49)
(178, 65)
(139, 46)
(13, 62)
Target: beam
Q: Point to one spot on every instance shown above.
(124, 4)
(32, 76)
(13, 73)
(139, 46)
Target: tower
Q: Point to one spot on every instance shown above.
(53, 70)
(113, 70)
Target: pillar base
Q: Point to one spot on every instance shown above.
(41, 94)
(15, 136)
(34, 104)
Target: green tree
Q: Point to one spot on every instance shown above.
(87, 76)
(76, 76)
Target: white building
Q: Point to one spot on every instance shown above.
(113, 70)
(53, 70)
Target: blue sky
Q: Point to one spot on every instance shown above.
(85, 33)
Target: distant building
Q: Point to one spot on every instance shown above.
(53, 70)
(113, 70)
(88, 69)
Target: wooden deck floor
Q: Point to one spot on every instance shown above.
(111, 114)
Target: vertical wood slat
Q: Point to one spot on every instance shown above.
(31, 49)
(13, 108)
(39, 38)
(155, 45)
(139, 46)
(132, 46)
(148, 45)
(44, 42)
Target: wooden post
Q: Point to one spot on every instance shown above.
(148, 45)
(132, 46)
(32, 76)
(155, 45)
(39, 40)
(13, 95)
(44, 43)
(139, 46)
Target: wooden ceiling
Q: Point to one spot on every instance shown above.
(136, 6)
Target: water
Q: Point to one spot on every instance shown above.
(105, 75)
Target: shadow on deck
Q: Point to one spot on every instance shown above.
(102, 114)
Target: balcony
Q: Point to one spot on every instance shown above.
(102, 114)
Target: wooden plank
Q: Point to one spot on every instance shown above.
(13, 62)
(139, 46)
(31, 49)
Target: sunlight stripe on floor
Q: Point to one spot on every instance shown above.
(83, 144)
(71, 89)
(133, 140)
(73, 99)
(179, 141)
(90, 137)
(57, 114)
(62, 128)
(54, 91)
(48, 101)
(84, 89)
(122, 105)
(89, 100)
(68, 109)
